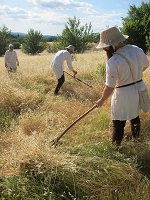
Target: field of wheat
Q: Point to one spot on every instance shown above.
(84, 165)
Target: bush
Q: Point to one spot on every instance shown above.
(16, 45)
(33, 43)
(4, 39)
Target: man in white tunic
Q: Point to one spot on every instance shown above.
(11, 59)
(122, 80)
(57, 65)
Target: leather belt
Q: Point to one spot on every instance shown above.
(129, 84)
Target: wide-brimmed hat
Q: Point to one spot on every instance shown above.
(110, 36)
(70, 47)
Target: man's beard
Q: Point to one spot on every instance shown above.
(110, 51)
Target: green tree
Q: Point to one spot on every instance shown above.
(148, 42)
(33, 43)
(5, 36)
(137, 25)
(16, 40)
(79, 36)
(96, 37)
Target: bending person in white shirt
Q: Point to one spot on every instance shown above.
(57, 65)
(11, 59)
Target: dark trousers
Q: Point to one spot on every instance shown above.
(118, 129)
(61, 80)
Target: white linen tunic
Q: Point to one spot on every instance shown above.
(57, 64)
(11, 59)
(125, 100)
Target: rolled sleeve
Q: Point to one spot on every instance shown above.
(69, 62)
(111, 76)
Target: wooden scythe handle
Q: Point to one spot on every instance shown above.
(79, 80)
(56, 140)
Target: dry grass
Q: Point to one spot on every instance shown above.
(25, 90)
(39, 116)
(34, 116)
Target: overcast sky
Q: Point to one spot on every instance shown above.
(50, 16)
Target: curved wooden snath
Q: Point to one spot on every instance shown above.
(79, 80)
(56, 140)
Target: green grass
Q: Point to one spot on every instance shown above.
(99, 172)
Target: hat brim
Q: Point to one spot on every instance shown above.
(103, 45)
(69, 49)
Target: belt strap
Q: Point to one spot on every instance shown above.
(129, 84)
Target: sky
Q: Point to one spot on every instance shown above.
(50, 16)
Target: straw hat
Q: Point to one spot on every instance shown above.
(110, 36)
(70, 47)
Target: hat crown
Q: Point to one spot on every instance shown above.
(111, 36)
(70, 47)
(10, 45)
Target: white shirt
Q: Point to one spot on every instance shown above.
(125, 100)
(11, 59)
(58, 62)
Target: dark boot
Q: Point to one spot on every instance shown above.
(118, 132)
(135, 127)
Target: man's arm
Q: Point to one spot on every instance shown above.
(105, 95)
(69, 63)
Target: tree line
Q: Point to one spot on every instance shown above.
(136, 25)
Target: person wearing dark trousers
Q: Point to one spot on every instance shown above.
(124, 71)
(57, 65)
(60, 83)
(118, 129)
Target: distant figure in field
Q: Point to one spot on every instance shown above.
(57, 65)
(11, 59)
(124, 72)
